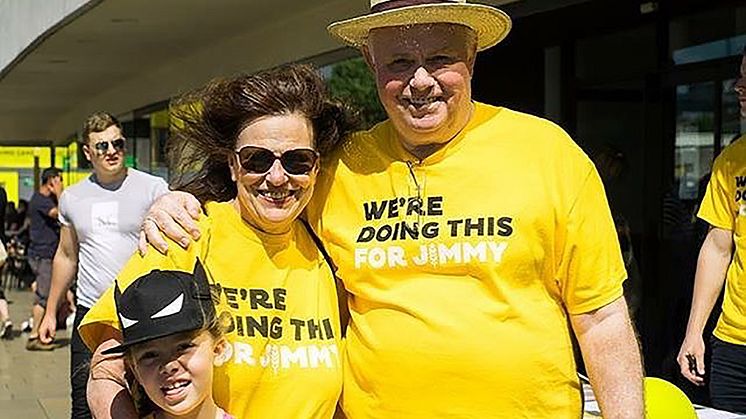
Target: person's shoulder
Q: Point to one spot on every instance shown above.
(363, 151)
(736, 150)
(527, 121)
(539, 133)
(83, 186)
(145, 177)
(365, 142)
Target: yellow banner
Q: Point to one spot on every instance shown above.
(23, 157)
(66, 158)
(9, 181)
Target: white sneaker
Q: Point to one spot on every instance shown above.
(27, 325)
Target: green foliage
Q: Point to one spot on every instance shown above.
(351, 80)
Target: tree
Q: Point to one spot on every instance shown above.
(352, 81)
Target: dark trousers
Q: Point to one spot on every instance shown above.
(80, 364)
(728, 376)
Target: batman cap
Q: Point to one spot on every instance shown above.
(162, 303)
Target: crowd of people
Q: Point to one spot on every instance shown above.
(301, 268)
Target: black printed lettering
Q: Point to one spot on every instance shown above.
(414, 206)
(328, 328)
(279, 295)
(435, 205)
(454, 224)
(393, 208)
(406, 230)
(252, 325)
(430, 230)
(476, 225)
(366, 234)
(313, 329)
(740, 181)
(298, 325)
(275, 328)
(384, 233)
(505, 229)
(373, 211)
(231, 295)
(259, 297)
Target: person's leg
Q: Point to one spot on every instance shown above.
(728, 376)
(4, 313)
(6, 326)
(43, 270)
(80, 364)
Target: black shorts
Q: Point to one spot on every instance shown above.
(42, 269)
(728, 376)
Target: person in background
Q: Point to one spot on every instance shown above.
(100, 219)
(3, 204)
(722, 262)
(44, 234)
(10, 216)
(6, 325)
(20, 226)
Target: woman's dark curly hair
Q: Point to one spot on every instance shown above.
(206, 123)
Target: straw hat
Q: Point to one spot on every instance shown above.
(490, 24)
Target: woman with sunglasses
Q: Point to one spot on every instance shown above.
(249, 149)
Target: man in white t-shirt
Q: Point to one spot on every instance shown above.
(100, 219)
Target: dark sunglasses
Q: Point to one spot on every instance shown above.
(258, 160)
(103, 146)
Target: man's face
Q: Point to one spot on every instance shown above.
(57, 185)
(105, 150)
(740, 87)
(423, 74)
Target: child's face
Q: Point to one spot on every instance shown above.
(176, 370)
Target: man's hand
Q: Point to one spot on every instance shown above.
(174, 214)
(692, 355)
(48, 327)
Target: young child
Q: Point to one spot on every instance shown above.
(172, 339)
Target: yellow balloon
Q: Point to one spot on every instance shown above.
(664, 400)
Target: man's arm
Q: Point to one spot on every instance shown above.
(612, 359)
(714, 257)
(53, 213)
(64, 266)
(108, 397)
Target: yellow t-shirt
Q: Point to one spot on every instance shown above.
(724, 206)
(280, 298)
(461, 268)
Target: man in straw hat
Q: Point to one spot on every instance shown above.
(470, 238)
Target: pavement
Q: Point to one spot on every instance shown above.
(32, 384)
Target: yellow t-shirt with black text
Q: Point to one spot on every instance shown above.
(461, 268)
(724, 206)
(278, 297)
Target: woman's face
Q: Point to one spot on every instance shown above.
(271, 200)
